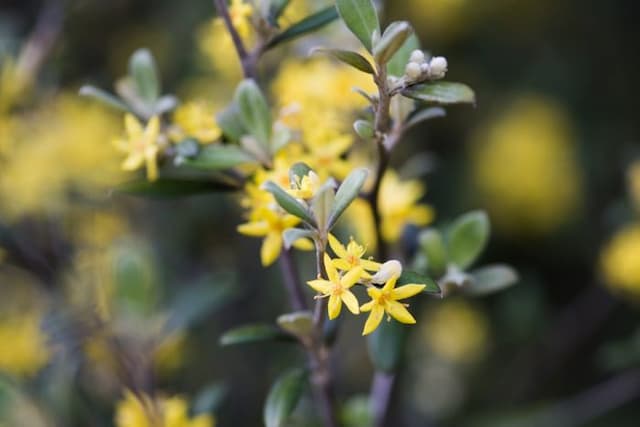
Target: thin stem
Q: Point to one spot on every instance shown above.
(292, 280)
(248, 60)
(381, 389)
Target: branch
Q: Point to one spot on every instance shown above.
(247, 60)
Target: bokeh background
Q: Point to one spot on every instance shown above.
(551, 151)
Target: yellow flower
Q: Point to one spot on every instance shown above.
(216, 48)
(269, 224)
(525, 168)
(457, 331)
(386, 300)
(241, 13)
(196, 119)
(634, 182)
(25, 348)
(141, 145)
(351, 257)
(337, 288)
(144, 411)
(398, 206)
(306, 187)
(620, 260)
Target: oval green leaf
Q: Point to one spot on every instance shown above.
(254, 111)
(433, 248)
(142, 68)
(354, 59)
(309, 24)
(288, 202)
(441, 93)
(490, 279)
(283, 397)
(348, 191)
(468, 237)
(252, 333)
(361, 18)
(219, 157)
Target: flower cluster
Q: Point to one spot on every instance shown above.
(349, 269)
(145, 411)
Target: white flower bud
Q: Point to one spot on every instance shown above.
(438, 66)
(425, 68)
(387, 271)
(417, 56)
(413, 71)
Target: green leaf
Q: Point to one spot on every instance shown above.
(399, 61)
(252, 333)
(172, 187)
(386, 345)
(433, 248)
(299, 323)
(276, 9)
(165, 104)
(142, 68)
(391, 41)
(254, 111)
(361, 18)
(288, 202)
(292, 235)
(409, 277)
(348, 191)
(322, 206)
(468, 236)
(364, 129)
(283, 397)
(490, 279)
(348, 57)
(309, 24)
(441, 93)
(423, 115)
(230, 121)
(103, 97)
(219, 157)
(298, 171)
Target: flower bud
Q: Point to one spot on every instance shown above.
(438, 66)
(417, 56)
(413, 71)
(387, 271)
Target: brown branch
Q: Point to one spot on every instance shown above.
(248, 60)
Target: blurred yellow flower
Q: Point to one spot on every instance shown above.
(241, 13)
(195, 119)
(24, 349)
(456, 331)
(144, 411)
(385, 300)
(140, 145)
(14, 83)
(269, 224)
(634, 183)
(620, 260)
(337, 288)
(62, 146)
(398, 205)
(216, 47)
(360, 219)
(525, 167)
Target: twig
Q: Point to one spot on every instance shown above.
(248, 60)
(291, 280)
(381, 390)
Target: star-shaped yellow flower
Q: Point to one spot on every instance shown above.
(141, 145)
(337, 288)
(386, 300)
(351, 257)
(270, 225)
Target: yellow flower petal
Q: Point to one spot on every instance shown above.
(337, 247)
(304, 244)
(370, 265)
(132, 126)
(421, 215)
(406, 291)
(271, 247)
(152, 129)
(351, 278)
(350, 301)
(335, 304)
(390, 283)
(320, 285)
(152, 168)
(367, 306)
(133, 162)
(341, 264)
(331, 270)
(374, 319)
(254, 229)
(399, 312)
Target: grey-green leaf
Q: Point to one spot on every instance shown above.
(350, 58)
(309, 24)
(292, 235)
(322, 206)
(254, 111)
(424, 115)
(142, 68)
(468, 236)
(276, 8)
(441, 93)
(252, 333)
(361, 18)
(433, 248)
(104, 97)
(288, 202)
(398, 62)
(348, 191)
(283, 397)
(391, 41)
(411, 277)
(299, 323)
(230, 121)
(219, 157)
(490, 279)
